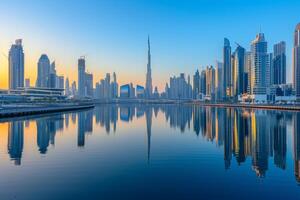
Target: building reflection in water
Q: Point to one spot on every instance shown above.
(148, 112)
(257, 135)
(246, 133)
(178, 116)
(15, 141)
(46, 131)
(127, 112)
(279, 139)
(297, 146)
(107, 116)
(67, 120)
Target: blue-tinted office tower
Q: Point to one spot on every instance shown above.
(88, 85)
(16, 65)
(140, 91)
(203, 82)
(196, 84)
(127, 91)
(239, 69)
(43, 76)
(227, 71)
(278, 70)
(219, 81)
(52, 76)
(260, 64)
(81, 77)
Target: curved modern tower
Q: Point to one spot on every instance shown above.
(43, 77)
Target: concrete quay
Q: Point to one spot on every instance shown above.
(16, 110)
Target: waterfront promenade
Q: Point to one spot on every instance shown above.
(253, 106)
(288, 107)
(16, 110)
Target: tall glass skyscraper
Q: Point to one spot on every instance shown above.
(43, 77)
(52, 75)
(239, 68)
(219, 84)
(16, 65)
(260, 64)
(278, 71)
(81, 77)
(196, 84)
(227, 72)
(296, 61)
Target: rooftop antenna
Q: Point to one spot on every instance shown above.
(259, 28)
(83, 56)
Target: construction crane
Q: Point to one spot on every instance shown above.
(4, 55)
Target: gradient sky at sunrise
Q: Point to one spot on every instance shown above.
(112, 34)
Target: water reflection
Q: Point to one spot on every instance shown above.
(297, 145)
(46, 131)
(258, 135)
(15, 141)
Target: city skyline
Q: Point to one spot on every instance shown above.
(149, 99)
(171, 53)
(257, 75)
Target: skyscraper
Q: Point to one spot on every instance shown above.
(219, 80)
(53, 76)
(16, 65)
(89, 91)
(67, 87)
(248, 72)
(107, 86)
(296, 61)
(210, 82)
(227, 71)
(239, 67)
(260, 64)
(196, 84)
(278, 71)
(73, 88)
(203, 82)
(148, 87)
(219, 84)
(180, 88)
(43, 76)
(60, 82)
(81, 77)
(114, 86)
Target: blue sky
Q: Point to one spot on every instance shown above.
(185, 35)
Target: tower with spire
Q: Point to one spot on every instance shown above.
(148, 88)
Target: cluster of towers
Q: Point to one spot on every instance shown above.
(46, 72)
(252, 75)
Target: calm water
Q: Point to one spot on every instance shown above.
(152, 152)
